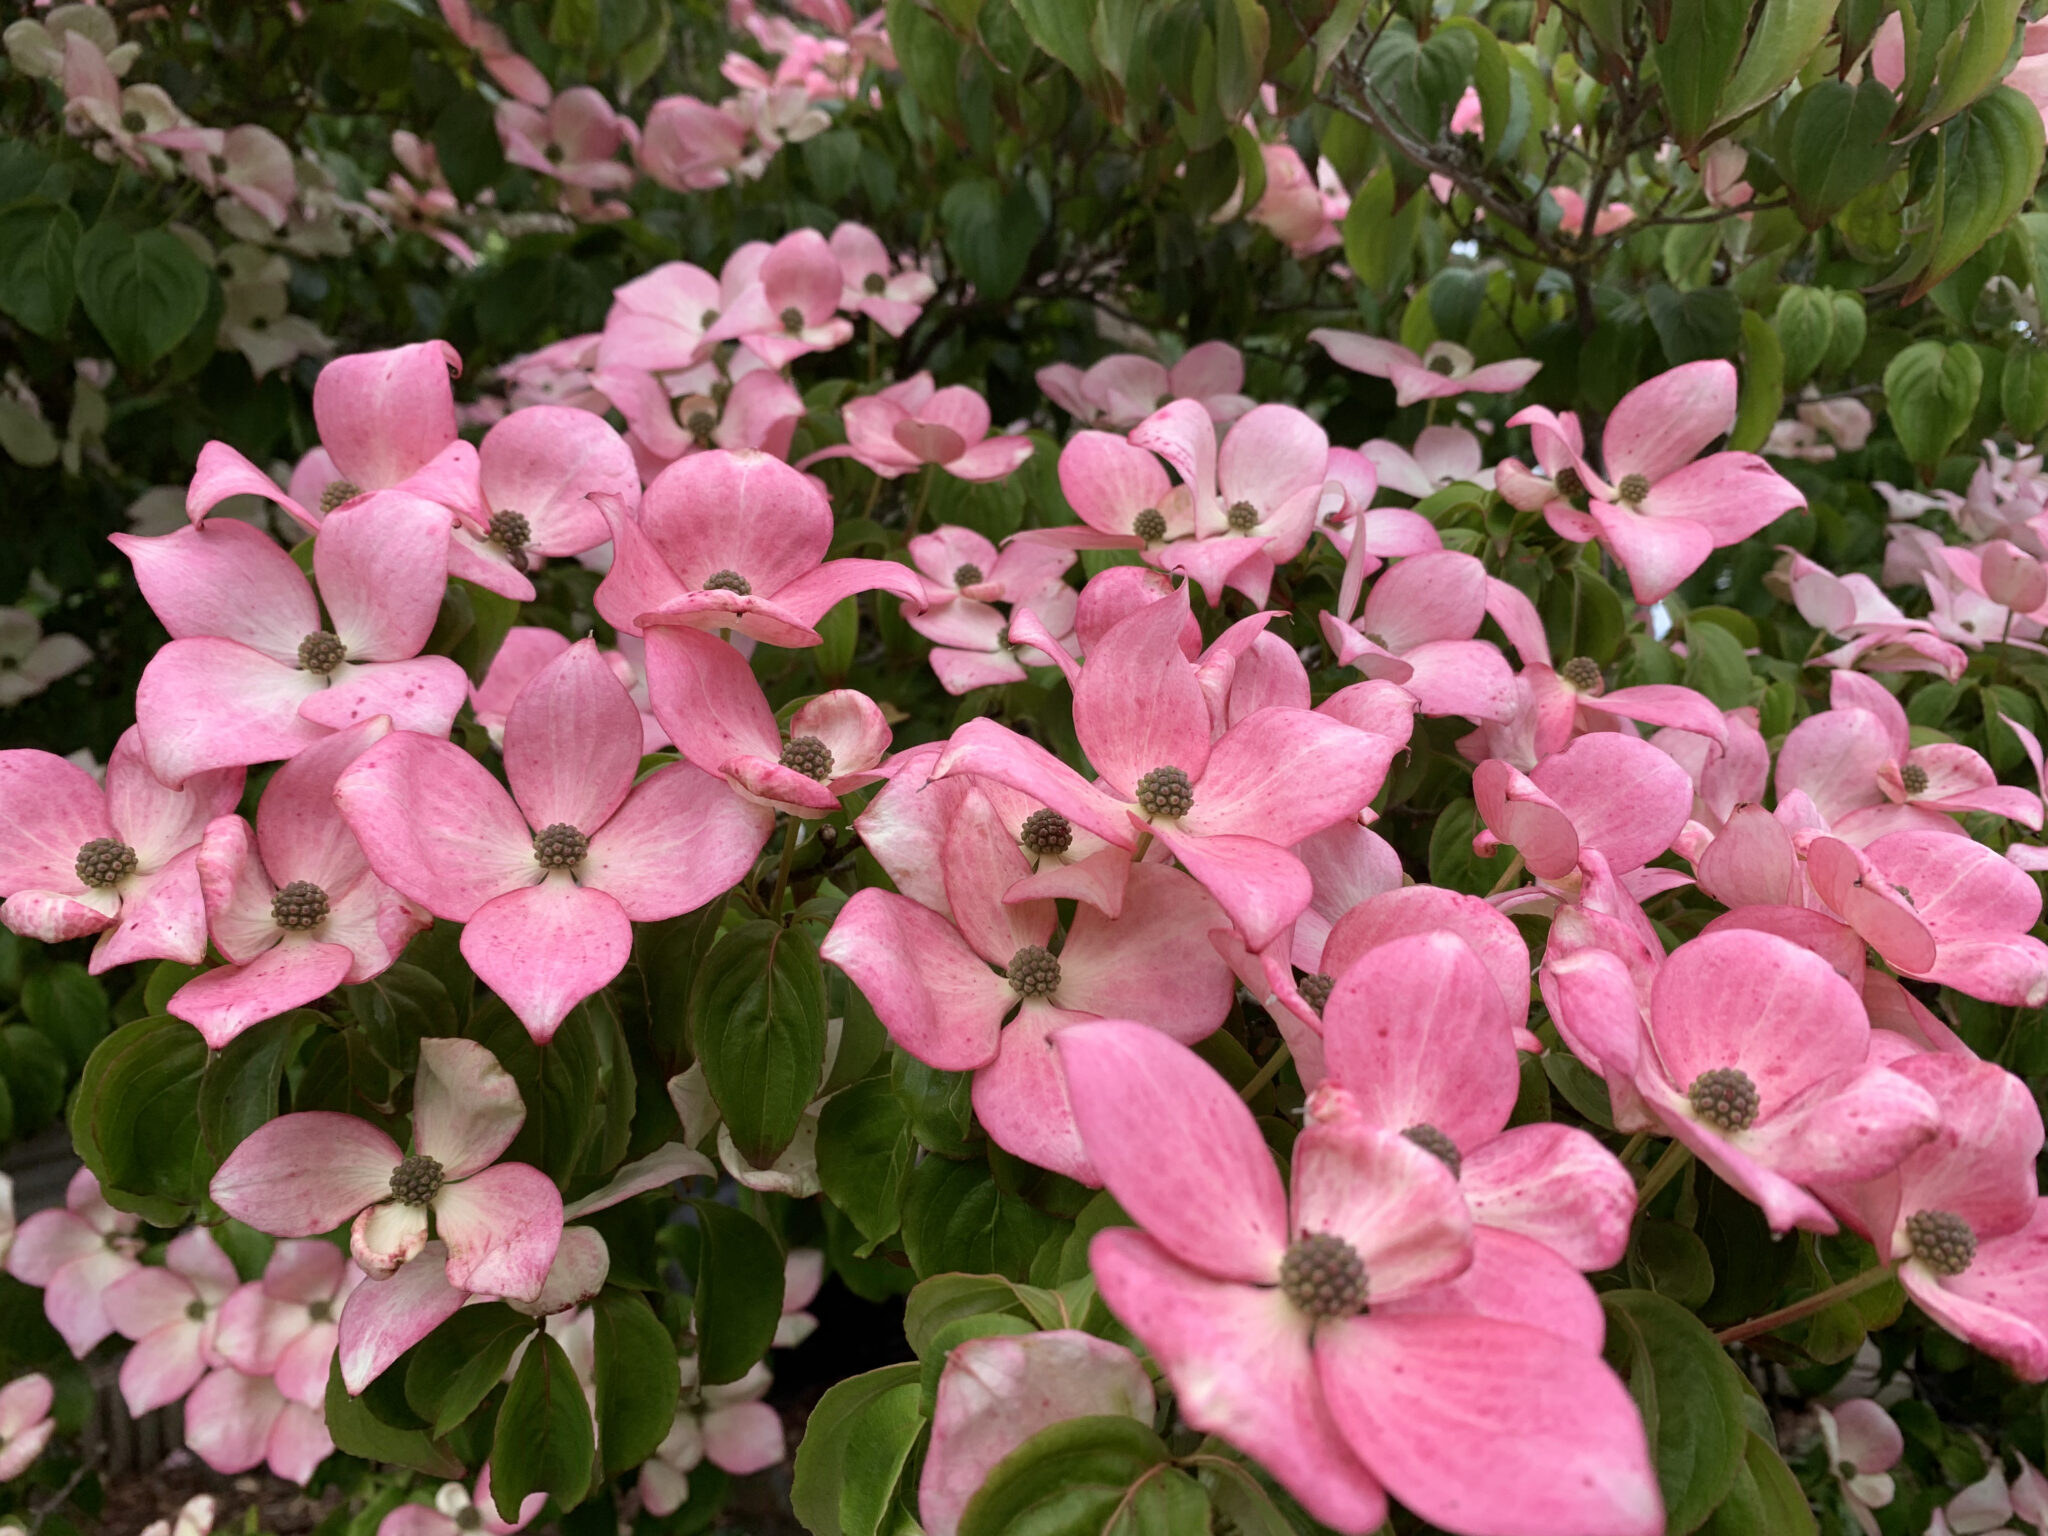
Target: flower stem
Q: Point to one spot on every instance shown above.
(782, 870)
(1820, 1301)
(1667, 1168)
(924, 491)
(1633, 1149)
(1512, 873)
(1265, 1074)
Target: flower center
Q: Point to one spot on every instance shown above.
(416, 1180)
(320, 653)
(793, 320)
(1438, 1145)
(105, 861)
(1324, 1276)
(471, 1519)
(701, 425)
(195, 1309)
(1165, 792)
(134, 121)
(560, 846)
(511, 529)
(1725, 1098)
(1914, 778)
(1150, 525)
(1942, 1241)
(1243, 517)
(729, 581)
(1583, 673)
(1315, 991)
(299, 906)
(967, 575)
(320, 1311)
(1046, 831)
(336, 493)
(1034, 972)
(1568, 483)
(1633, 489)
(874, 282)
(808, 756)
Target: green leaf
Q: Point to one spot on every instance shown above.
(1805, 326)
(956, 1217)
(1851, 328)
(1242, 36)
(941, 1111)
(638, 1379)
(865, 1152)
(398, 1007)
(1062, 29)
(1452, 863)
(37, 245)
(1379, 241)
(1696, 51)
(135, 1118)
(928, 56)
(879, 1440)
(757, 1016)
(821, 1459)
(1766, 1499)
(990, 232)
(69, 1006)
(667, 956)
(2023, 391)
(239, 1090)
(1696, 325)
(25, 437)
(1991, 157)
(143, 292)
(1715, 665)
(359, 1432)
(1690, 1397)
(1070, 1476)
(1763, 384)
(1930, 392)
(34, 1072)
(1785, 35)
(1833, 141)
(465, 138)
(1237, 1494)
(1970, 63)
(543, 1439)
(839, 628)
(935, 1304)
(739, 1291)
(1670, 1260)
(455, 1367)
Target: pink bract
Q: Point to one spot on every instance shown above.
(75, 1254)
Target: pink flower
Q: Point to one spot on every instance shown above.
(1227, 809)
(892, 296)
(1469, 116)
(974, 644)
(549, 879)
(1615, 795)
(236, 1423)
(537, 472)
(708, 700)
(728, 1426)
(1862, 1446)
(285, 1325)
(25, 1423)
(944, 988)
(760, 410)
(1443, 372)
(1571, 211)
(736, 540)
(250, 164)
(1121, 391)
(557, 374)
(689, 145)
(1666, 508)
(94, 99)
(1301, 211)
(657, 321)
(252, 672)
(960, 563)
(1881, 637)
(308, 1173)
(576, 139)
(513, 71)
(906, 426)
(524, 653)
(456, 1511)
(1255, 1306)
(293, 905)
(803, 1274)
(996, 1393)
(792, 307)
(171, 1313)
(74, 1255)
(1441, 456)
(1418, 629)
(121, 862)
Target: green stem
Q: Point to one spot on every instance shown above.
(1634, 1147)
(1667, 1168)
(782, 870)
(1513, 872)
(924, 491)
(1820, 1301)
(1265, 1074)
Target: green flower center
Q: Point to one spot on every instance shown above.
(560, 846)
(1438, 1145)
(416, 1180)
(1034, 972)
(1725, 1098)
(105, 861)
(195, 1310)
(1914, 778)
(320, 1311)
(1166, 792)
(1942, 1241)
(874, 282)
(1243, 517)
(1568, 483)
(967, 575)
(1324, 1276)
(1045, 832)
(700, 426)
(336, 493)
(808, 756)
(793, 320)
(1150, 525)
(299, 906)
(1633, 489)
(1583, 673)
(320, 653)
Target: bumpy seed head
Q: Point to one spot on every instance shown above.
(416, 1180)
(729, 581)
(299, 906)
(1243, 517)
(1324, 1276)
(1046, 831)
(105, 861)
(1725, 1098)
(134, 121)
(1150, 525)
(1914, 778)
(195, 1309)
(874, 282)
(1316, 989)
(1166, 792)
(560, 846)
(1438, 1145)
(967, 574)
(336, 493)
(511, 529)
(1583, 673)
(1942, 1241)
(1633, 489)
(809, 757)
(792, 320)
(320, 1311)
(320, 653)
(1034, 972)
(701, 425)
(1568, 483)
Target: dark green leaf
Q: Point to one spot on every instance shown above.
(879, 1440)
(990, 231)
(37, 245)
(1834, 141)
(69, 1007)
(1696, 51)
(135, 1118)
(821, 1460)
(638, 1380)
(955, 1217)
(739, 1291)
(865, 1151)
(543, 1440)
(143, 292)
(359, 1432)
(239, 1090)
(758, 1020)
(1690, 1396)
(455, 1367)
(1070, 1476)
